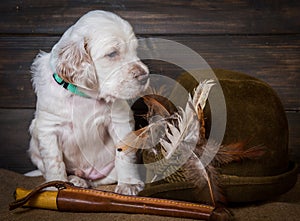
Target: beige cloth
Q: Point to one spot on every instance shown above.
(285, 207)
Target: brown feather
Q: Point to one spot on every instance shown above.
(236, 152)
(216, 186)
(202, 177)
(158, 106)
(155, 106)
(202, 130)
(213, 182)
(144, 138)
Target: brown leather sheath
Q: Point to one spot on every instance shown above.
(100, 201)
(75, 199)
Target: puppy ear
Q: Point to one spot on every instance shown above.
(75, 65)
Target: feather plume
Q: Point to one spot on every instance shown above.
(202, 176)
(157, 103)
(202, 153)
(185, 137)
(237, 152)
(179, 137)
(155, 107)
(199, 101)
(201, 93)
(144, 138)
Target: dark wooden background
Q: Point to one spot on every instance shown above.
(260, 38)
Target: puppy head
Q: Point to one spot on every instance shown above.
(98, 54)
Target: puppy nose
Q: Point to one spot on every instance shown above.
(140, 74)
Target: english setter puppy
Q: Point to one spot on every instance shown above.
(81, 112)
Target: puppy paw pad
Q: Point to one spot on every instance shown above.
(77, 181)
(129, 189)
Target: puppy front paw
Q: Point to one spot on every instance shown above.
(77, 181)
(129, 189)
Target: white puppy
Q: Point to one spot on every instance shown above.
(80, 115)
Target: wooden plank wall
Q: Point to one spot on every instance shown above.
(260, 38)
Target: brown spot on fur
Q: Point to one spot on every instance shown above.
(74, 61)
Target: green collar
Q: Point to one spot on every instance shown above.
(68, 86)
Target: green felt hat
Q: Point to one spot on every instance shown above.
(255, 115)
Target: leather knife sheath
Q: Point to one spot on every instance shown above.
(76, 199)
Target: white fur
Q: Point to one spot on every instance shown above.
(73, 137)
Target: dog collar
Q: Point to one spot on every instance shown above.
(68, 86)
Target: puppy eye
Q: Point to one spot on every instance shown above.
(112, 54)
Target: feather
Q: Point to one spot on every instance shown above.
(199, 101)
(201, 93)
(215, 186)
(143, 138)
(182, 136)
(201, 176)
(158, 104)
(195, 172)
(158, 113)
(155, 107)
(187, 130)
(168, 169)
(185, 136)
(202, 130)
(236, 152)
(194, 169)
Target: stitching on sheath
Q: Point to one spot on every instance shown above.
(192, 205)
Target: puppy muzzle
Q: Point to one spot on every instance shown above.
(140, 74)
